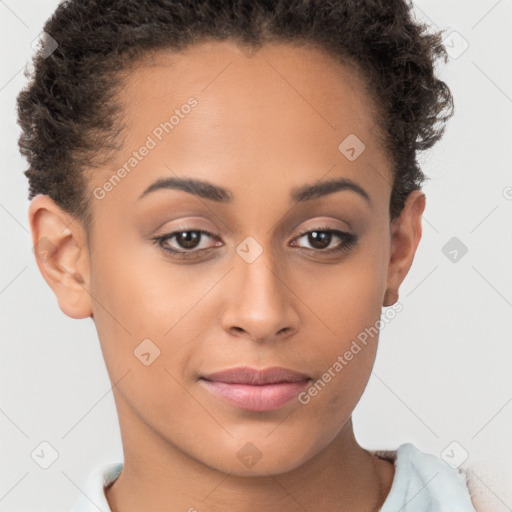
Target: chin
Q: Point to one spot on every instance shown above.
(258, 459)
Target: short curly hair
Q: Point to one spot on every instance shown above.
(71, 122)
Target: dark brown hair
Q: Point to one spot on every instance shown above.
(70, 120)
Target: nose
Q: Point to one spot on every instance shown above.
(262, 305)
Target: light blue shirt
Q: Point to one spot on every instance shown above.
(422, 483)
(425, 483)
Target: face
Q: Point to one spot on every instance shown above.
(245, 267)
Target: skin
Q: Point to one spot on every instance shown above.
(263, 125)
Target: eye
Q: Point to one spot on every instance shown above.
(186, 239)
(320, 238)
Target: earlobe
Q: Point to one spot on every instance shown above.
(390, 297)
(60, 248)
(405, 236)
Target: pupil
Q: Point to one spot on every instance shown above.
(322, 236)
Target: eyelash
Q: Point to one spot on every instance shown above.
(348, 241)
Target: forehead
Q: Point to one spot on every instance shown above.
(280, 114)
(231, 87)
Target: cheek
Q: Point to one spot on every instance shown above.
(349, 302)
(139, 295)
(349, 299)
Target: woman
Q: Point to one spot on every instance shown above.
(231, 191)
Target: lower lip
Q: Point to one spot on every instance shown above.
(256, 398)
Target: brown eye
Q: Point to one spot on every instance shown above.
(186, 241)
(320, 240)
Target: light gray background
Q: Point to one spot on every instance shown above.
(443, 371)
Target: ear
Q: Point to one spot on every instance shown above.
(405, 237)
(62, 255)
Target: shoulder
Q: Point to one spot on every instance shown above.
(424, 483)
(93, 497)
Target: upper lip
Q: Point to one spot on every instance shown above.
(247, 375)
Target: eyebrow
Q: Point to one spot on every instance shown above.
(220, 194)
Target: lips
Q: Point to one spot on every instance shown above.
(256, 390)
(254, 377)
